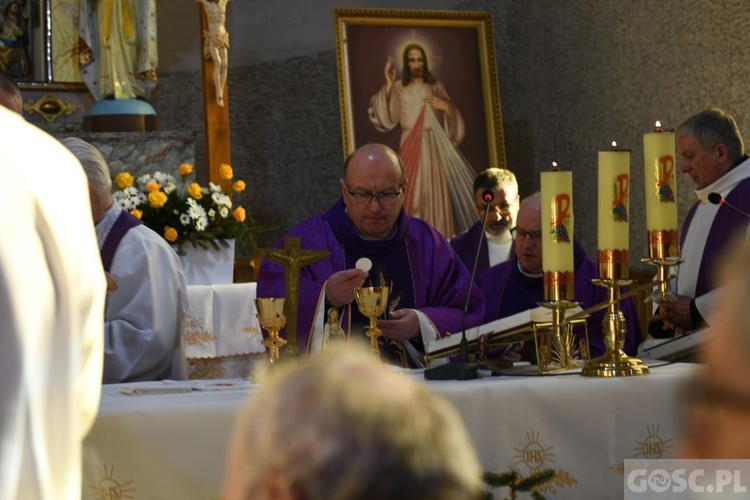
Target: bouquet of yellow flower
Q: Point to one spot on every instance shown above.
(184, 211)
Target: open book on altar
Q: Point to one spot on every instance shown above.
(502, 331)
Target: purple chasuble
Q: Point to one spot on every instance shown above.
(507, 291)
(726, 225)
(390, 266)
(125, 221)
(465, 245)
(426, 273)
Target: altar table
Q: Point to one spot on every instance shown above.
(163, 446)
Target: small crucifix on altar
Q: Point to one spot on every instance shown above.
(293, 258)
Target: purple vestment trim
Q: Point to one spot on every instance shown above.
(125, 221)
(724, 229)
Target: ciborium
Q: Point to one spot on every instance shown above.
(272, 318)
(372, 301)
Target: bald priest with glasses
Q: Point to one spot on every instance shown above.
(368, 225)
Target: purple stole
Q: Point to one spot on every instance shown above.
(724, 229)
(125, 221)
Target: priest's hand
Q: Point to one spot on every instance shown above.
(340, 286)
(677, 314)
(403, 325)
(111, 283)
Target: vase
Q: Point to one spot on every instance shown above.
(208, 266)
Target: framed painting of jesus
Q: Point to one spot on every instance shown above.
(424, 83)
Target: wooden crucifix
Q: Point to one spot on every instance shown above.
(215, 49)
(292, 257)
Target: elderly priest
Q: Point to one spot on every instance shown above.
(516, 285)
(429, 282)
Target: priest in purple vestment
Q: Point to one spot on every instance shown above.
(712, 153)
(429, 282)
(498, 242)
(516, 285)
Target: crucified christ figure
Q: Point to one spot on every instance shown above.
(216, 43)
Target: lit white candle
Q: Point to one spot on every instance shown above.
(614, 212)
(661, 192)
(557, 233)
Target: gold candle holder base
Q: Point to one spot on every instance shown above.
(372, 301)
(559, 350)
(271, 317)
(663, 277)
(614, 363)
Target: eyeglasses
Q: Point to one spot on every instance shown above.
(520, 234)
(365, 197)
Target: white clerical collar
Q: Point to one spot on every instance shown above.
(526, 273)
(726, 182)
(502, 238)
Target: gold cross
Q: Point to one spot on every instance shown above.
(293, 258)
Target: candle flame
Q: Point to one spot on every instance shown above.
(614, 145)
(658, 126)
(554, 167)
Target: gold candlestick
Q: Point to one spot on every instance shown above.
(560, 349)
(614, 363)
(372, 301)
(663, 277)
(271, 317)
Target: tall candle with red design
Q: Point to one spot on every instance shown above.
(614, 213)
(557, 234)
(661, 193)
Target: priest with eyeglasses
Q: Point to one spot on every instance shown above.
(368, 223)
(516, 285)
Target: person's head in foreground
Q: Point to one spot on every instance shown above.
(718, 423)
(339, 427)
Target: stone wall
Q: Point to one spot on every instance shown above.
(573, 77)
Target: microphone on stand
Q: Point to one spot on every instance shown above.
(463, 370)
(717, 199)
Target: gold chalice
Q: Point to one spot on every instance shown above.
(272, 318)
(372, 301)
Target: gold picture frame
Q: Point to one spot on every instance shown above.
(460, 53)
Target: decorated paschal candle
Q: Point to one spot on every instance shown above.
(557, 234)
(614, 213)
(661, 193)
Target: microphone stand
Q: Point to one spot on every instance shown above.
(463, 370)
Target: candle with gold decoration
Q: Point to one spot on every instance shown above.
(557, 234)
(661, 193)
(614, 213)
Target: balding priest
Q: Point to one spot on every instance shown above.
(368, 224)
(145, 310)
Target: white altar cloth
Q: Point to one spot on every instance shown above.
(221, 321)
(173, 445)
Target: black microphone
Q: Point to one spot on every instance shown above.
(717, 199)
(463, 370)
